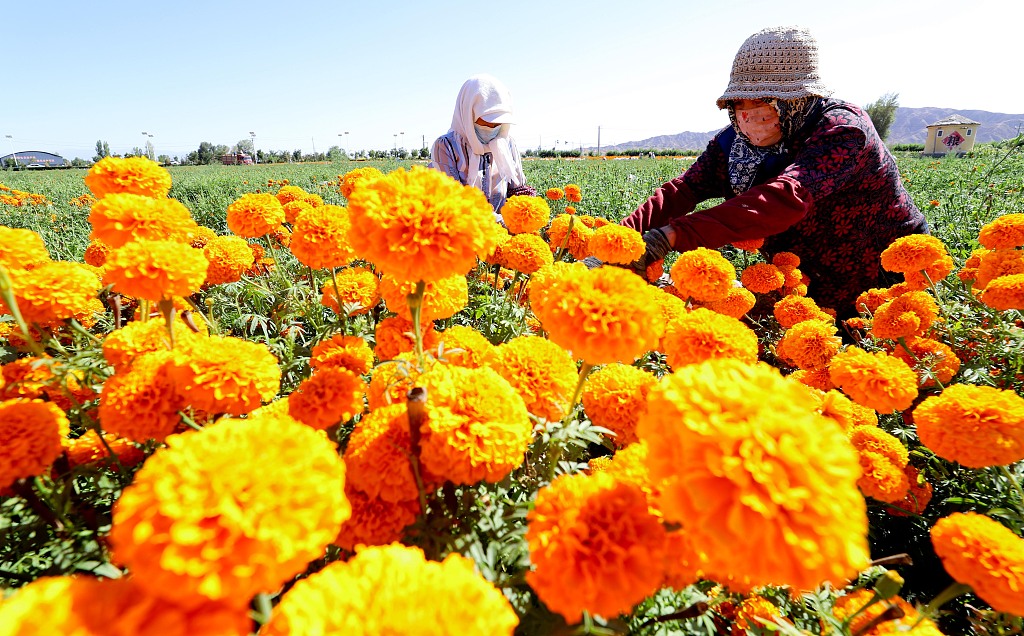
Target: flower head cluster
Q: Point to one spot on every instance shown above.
(762, 278)
(615, 396)
(616, 244)
(573, 193)
(359, 288)
(933, 361)
(791, 473)
(226, 375)
(752, 614)
(119, 218)
(702, 334)
(229, 258)
(930, 275)
(875, 380)
(30, 438)
(703, 275)
(289, 193)
(393, 590)
(464, 346)
(917, 498)
(913, 253)
(736, 303)
(819, 379)
(154, 270)
(555, 194)
(1005, 232)
(320, 237)
(570, 232)
(377, 455)
(442, 297)
(421, 224)
(870, 300)
(54, 292)
(142, 403)
(90, 448)
(330, 396)
(348, 182)
(540, 371)
(883, 459)
(122, 345)
(375, 521)
(861, 610)
(977, 426)
(795, 309)
(255, 214)
(21, 249)
(998, 263)
(1005, 292)
(132, 175)
(984, 554)
(751, 245)
(810, 344)
(395, 335)
(525, 253)
(341, 351)
(201, 237)
(223, 514)
(525, 214)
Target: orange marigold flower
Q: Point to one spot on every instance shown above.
(442, 297)
(395, 335)
(870, 300)
(96, 253)
(910, 314)
(476, 425)
(899, 289)
(794, 278)
(883, 459)
(89, 449)
(930, 275)
(290, 193)
(525, 214)
(353, 178)
(21, 249)
(255, 214)
(1005, 232)
(573, 193)
(736, 303)
(377, 455)
(201, 237)
(864, 416)
(569, 232)
(142, 403)
(466, 347)
(751, 245)
(703, 275)
(330, 396)
(792, 310)
(860, 608)
(341, 351)
(984, 554)
(705, 335)
(876, 380)
(360, 291)
(762, 278)
(614, 397)
(931, 360)
(54, 292)
(592, 222)
(494, 256)
(616, 244)
(226, 375)
(294, 209)
(998, 263)
(119, 218)
(154, 270)
(421, 224)
(370, 594)
(1005, 292)
(913, 253)
(818, 379)
(555, 193)
(810, 344)
(970, 268)
(786, 260)
(132, 175)
(811, 518)
(26, 378)
(320, 237)
(277, 506)
(917, 497)
(30, 438)
(753, 614)
(838, 408)
(138, 337)
(977, 426)
(375, 521)
(525, 253)
(594, 545)
(229, 258)
(670, 305)
(540, 371)
(601, 315)
(629, 464)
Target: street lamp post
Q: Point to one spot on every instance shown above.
(150, 148)
(403, 140)
(252, 135)
(343, 141)
(14, 153)
(396, 145)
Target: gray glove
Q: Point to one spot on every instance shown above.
(592, 262)
(657, 247)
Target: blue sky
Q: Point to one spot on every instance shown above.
(299, 73)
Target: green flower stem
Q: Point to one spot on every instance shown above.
(312, 280)
(76, 326)
(565, 243)
(191, 423)
(416, 408)
(7, 294)
(415, 301)
(954, 590)
(337, 295)
(1016, 486)
(585, 369)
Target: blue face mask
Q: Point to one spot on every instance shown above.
(486, 135)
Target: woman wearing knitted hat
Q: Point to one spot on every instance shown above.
(805, 172)
(477, 150)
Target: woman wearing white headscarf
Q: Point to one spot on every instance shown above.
(477, 150)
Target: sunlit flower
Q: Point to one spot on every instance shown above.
(912, 253)
(1005, 292)
(977, 426)
(736, 303)
(54, 292)
(525, 214)
(616, 244)
(932, 360)
(594, 545)
(360, 291)
(341, 351)
(573, 193)
(576, 239)
(96, 253)
(876, 380)
(1005, 232)
(762, 278)
(810, 344)
(464, 346)
(353, 178)
(540, 371)
(751, 245)
(421, 224)
(998, 263)
(117, 219)
(870, 300)
(393, 590)
(89, 449)
(525, 253)
(30, 438)
(201, 237)
(395, 335)
(838, 408)
(255, 214)
(442, 297)
(226, 375)
(138, 337)
(860, 609)
(883, 459)
(229, 258)
(705, 335)
(26, 377)
(21, 249)
(753, 613)
(796, 309)
(917, 497)
(555, 193)
(818, 379)
(332, 395)
(970, 269)
(375, 521)
(320, 237)
(984, 554)
(154, 270)
(142, 403)
(615, 396)
(132, 175)
(294, 209)
(377, 455)
(930, 275)
(703, 275)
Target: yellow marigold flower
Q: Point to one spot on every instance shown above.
(883, 459)
(703, 275)
(917, 497)
(390, 383)
(1005, 292)
(525, 253)
(818, 379)
(226, 375)
(541, 372)
(705, 335)
(476, 426)
(752, 245)
(855, 608)
(762, 278)
(671, 306)
(466, 347)
(330, 396)
(629, 464)
(810, 516)
(131, 175)
(89, 449)
(602, 315)
(54, 292)
(525, 214)
(87, 606)
(231, 511)
(555, 193)
(119, 218)
(864, 416)
(341, 351)
(395, 335)
(494, 255)
(375, 521)
(138, 337)
(320, 238)
(977, 426)
(810, 344)
(1006, 232)
(875, 380)
(442, 297)
(753, 614)
(373, 594)
(616, 244)
(294, 209)
(576, 239)
(96, 253)
(360, 291)
(913, 253)
(21, 249)
(838, 408)
(353, 178)
(984, 554)
(998, 263)
(421, 224)
(154, 270)
(573, 193)
(229, 258)
(594, 545)
(142, 403)
(792, 310)
(377, 455)
(30, 438)
(931, 360)
(930, 275)
(201, 237)
(735, 304)
(615, 396)
(254, 215)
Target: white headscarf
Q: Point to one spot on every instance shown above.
(486, 97)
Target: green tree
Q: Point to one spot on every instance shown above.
(883, 112)
(102, 150)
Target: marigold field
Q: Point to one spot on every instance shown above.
(342, 399)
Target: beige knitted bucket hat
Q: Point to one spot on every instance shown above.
(780, 62)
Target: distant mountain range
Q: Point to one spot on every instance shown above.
(908, 128)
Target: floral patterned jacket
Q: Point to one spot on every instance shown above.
(837, 203)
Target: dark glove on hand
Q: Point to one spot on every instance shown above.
(592, 262)
(657, 247)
